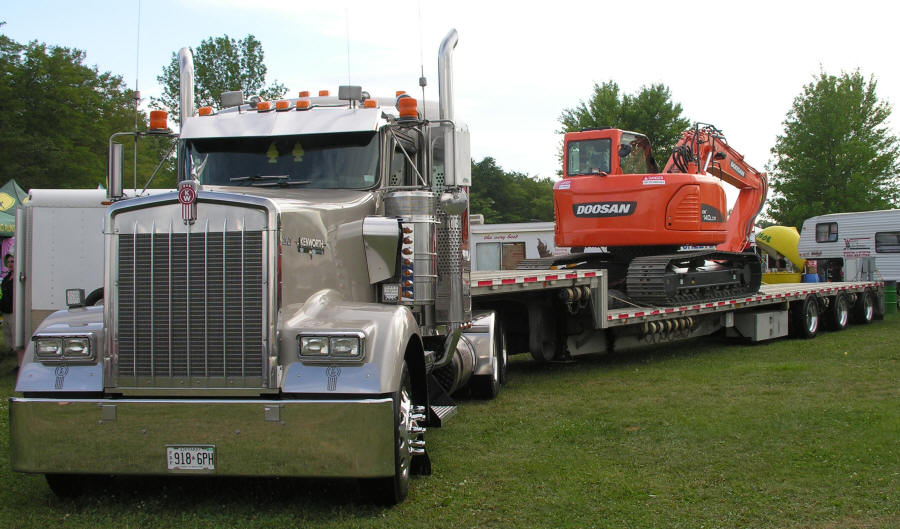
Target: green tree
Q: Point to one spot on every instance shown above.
(650, 111)
(503, 196)
(56, 117)
(836, 154)
(221, 64)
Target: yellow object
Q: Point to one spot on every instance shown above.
(770, 278)
(781, 241)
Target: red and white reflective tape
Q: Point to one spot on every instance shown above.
(539, 278)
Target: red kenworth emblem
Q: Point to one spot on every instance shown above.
(187, 195)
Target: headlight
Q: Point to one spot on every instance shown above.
(313, 346)
(63, 348)
(331, 347)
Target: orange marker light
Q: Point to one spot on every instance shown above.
(369, 103)
(399, 93)
(304, 93)
(205, 111)
(323, 93)
(158, 120)
(408, 108)
(264, 106)
(303, 104)
(282, 105)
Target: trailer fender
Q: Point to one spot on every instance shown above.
(66, 375)
(389, 333)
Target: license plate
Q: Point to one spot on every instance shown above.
(191, 458)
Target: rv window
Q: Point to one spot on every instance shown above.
(826, 232)
(887, 242)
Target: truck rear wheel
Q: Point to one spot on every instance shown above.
(393, 490)
(864, 308)
(488, 386)
(838, 314)
(805, 317)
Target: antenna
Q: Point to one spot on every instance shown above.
(137, 92)
(422, 81)
(347, 22)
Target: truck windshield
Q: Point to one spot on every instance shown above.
(339, 160)
(588, 157)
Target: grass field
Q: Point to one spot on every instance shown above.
(707, 434)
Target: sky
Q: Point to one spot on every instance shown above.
(518, 65)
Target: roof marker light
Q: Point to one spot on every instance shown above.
(264, 106)
(323, 93)
(303, 104)
(304, 93)
(408, 107)
(158, 120)
(399, 93)
(205, 111)
(282, 105)
(370, 103)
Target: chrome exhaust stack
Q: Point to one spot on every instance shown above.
(185, 99)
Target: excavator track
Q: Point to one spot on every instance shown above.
(692, 277)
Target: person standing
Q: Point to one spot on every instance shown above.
(6, 305)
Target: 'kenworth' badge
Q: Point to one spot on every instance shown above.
(187, 196)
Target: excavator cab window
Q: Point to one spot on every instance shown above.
(635, 156)
(588, 157)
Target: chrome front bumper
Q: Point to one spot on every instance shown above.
(303, 438)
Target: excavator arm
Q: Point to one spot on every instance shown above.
(703, 150)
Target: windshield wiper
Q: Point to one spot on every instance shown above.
(269, 180)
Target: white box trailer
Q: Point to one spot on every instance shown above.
(853, 246)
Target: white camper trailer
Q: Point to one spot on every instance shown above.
(851, 246)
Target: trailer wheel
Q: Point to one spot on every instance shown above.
(878, 299)
(488, 386)
(393, 490)
(805, 317)
(864, 308)
(838, 314)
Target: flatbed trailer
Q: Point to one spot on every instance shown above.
(777, 310)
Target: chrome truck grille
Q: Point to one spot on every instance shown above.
(191, 310)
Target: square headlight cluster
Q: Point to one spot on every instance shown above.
(332, 347)
(63, 348)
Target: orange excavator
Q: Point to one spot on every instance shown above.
(667, 237)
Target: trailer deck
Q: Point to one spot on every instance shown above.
(486, 283)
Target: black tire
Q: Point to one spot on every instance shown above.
(487, 387)
(66, 485)
(96, 296)
(393, 490)
(805, 318)
(879, 303)
(838, 313)
(864, 308)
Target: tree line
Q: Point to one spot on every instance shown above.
(837, 152)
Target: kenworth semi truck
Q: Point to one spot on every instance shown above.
(303, 305)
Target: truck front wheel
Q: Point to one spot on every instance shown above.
(66, 485)
(393, 490)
